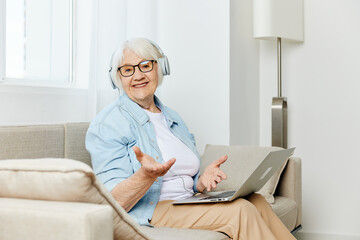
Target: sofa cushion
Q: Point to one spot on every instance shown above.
(54, 220)
(286, 210)
(63, 180)
(290, 185)
(244, 160)
(37, 141)
(163, 233)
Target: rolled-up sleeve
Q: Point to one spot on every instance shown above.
(109, 154)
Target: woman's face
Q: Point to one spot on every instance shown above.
(140, 87)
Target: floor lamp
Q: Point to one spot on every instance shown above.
(280, 20)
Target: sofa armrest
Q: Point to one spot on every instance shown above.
(290, 185)
(40, 220)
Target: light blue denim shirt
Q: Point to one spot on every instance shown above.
(110, 137)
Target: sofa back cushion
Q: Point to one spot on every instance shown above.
(45, 141)
(242, 161)
(63, 180)
(35, 141)
(74, 147)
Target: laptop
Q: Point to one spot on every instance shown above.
(268, 166)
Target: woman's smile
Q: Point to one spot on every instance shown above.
(140, 85)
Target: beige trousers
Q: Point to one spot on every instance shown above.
(245, 219)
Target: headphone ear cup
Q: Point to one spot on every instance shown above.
(113, 85)
(111, 80)
(164, 64)
(161, 64)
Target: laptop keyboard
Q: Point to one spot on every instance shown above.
(220, 195)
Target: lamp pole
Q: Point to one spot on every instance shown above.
(279, 109)
(278, 44)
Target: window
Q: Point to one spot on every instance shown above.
(39, 41)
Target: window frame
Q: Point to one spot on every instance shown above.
(71, 83)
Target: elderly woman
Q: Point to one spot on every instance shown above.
(144, 154)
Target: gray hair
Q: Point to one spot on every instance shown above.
(143, 48)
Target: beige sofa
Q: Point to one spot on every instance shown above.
(47, 196)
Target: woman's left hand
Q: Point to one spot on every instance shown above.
(212, 175)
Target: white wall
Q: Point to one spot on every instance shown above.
(244, 76)
(321, 81)
(214, 69)
(25, 105)
(198, 50)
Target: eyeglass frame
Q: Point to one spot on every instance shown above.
(152, 67)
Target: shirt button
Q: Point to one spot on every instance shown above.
(156, 180)
(151, 203)
(157, 157)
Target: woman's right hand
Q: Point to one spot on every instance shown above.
(128, 192)
(149, 166)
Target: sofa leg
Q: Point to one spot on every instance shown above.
(298, 228)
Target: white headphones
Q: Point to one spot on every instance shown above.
(163, 63)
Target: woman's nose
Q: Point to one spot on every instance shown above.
(138, 74)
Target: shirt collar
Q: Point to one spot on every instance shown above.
(169, 118)
(138, 112)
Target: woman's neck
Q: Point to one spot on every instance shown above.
(149, 105)
(152, 108)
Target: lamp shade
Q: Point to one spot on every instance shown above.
(279, 18)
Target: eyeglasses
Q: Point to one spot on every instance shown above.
(129, 70)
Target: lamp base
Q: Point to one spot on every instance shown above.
(279, 122)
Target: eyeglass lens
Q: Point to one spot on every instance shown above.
(129, 70)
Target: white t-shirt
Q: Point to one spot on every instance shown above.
(187, 164)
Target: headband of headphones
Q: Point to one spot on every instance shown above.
(162, 61)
